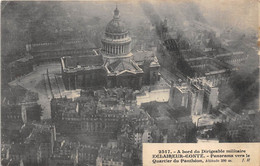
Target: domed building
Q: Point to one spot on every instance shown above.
(116, 41)
(121, 69)
(114, 66)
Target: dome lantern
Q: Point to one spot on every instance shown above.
(116, 13)
(116, 26)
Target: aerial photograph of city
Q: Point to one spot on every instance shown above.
(86, 83)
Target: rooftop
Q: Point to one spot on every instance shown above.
(232, 55)
(90, 60)
(40, 134)
(19, 149)
(183, 88)
(21, 60)
(206, 66)
(11, 162)
(11, 109)
(142, 55)
(113, 154)
(190, 55)
(121, 65)
(138, 114)
(62, 46)
(65, 104)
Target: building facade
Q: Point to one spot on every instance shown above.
(83, 71)
(13, 117)
(86, 116)
(109, 157)
(197, 96)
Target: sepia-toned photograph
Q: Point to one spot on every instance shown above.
(89, 83)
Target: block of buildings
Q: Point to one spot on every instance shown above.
(212, 69)
(233, 58)
(83, 71)
(203, 60)
(86, 115)
(73, 153)
(87, 154)
(65, 153)
(13, 117)
(31, 157)
(109, 156)
(44, 137)
(36, 144)
(10, 162)
(149, 63)
(197, 96)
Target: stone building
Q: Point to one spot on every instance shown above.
(114, 65)
(212, 69)
(149, 63)
(31, 157)
(97, 113)
(65, 153)
(86, 115)
(10, 162)
(13, 117)
(109, 156)
(142, 136)
(173, 55)
(83, 71)
(233, 58)
(34, 146)
(44, 137)
(199, 58)
(121, 68)
(197, 96)
(73, 153)
(87, 154)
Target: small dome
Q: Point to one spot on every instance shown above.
(116, 13)
(116, 25)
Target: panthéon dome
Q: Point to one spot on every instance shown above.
(116, 25)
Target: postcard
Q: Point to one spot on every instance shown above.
(130, 83)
